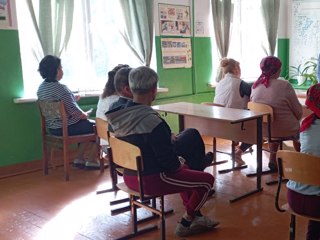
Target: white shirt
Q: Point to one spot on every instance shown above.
(310, 143)
(102, 107)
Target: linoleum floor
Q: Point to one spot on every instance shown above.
(33, 206)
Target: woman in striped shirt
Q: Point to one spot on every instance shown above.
(50, 89)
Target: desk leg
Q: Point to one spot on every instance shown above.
(233, 157)
(259, 163)
(259, 152)
(181, 123)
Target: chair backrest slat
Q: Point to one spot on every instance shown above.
(261, 108)
(300, 167)
(54, 110)
(124, 154)
(102, 129)
(50, 109)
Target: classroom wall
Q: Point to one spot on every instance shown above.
(20, 123)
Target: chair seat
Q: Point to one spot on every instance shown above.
(122, 186)
(73, 139)
(287, 208)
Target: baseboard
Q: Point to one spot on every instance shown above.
(20, 168)
(32, 166)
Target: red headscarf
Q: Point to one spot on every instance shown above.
(269, 66)
(313, 103)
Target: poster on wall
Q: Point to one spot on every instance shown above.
(7, 14)
(176, 52)
(305, 34)
(174, 20)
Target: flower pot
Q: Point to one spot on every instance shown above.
(301, 79)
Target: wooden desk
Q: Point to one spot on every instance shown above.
(227, 123)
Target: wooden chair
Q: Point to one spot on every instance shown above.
(267, 120)
(129, 156)
(300, 167)
(55, 109)
(102, 133)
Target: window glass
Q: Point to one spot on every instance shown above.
(95, 46)
(248, 37)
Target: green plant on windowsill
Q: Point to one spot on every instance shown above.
(304, 72)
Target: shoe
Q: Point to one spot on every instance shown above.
(79, 162)
(92, 165)
(238, 158)
(182, 231)
(273, 167)
(208, 158)
(212, 192)
(104, 149)
(203, 222)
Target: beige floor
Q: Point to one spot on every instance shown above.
(34, 206)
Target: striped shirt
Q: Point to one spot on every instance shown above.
(55, 91)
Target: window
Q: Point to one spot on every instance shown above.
(95, 46)
(248, 36)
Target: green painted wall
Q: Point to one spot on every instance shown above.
(283, 54)
(20, 123)
(186, 81)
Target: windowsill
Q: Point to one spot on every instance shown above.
(85, 94)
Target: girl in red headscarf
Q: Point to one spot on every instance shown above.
(305, 199)
(280, 95)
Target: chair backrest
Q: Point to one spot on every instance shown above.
(125, 154)
(212, 104)
(102, 129)
(300, 167)
(261, 108)
(128, 156)
(53, 110)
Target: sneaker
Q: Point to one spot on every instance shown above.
(182, 231)
(79, 161)
(273, 167)
(92, 165)
(238, 158)
(212, 192)
(201, 223)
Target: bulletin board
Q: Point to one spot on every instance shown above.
(174, 20)
(8, 19)
(176, 52)
(305, 31)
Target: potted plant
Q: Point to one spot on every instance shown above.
(306, 71)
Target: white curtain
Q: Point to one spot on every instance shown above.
(222, 12)
(52, 21)
(270, 12)
(138, 33)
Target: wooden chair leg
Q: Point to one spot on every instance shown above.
(214, 149)
(52, 159)
(162, 219)
(293, 227)
(66, 161)
(45, 157)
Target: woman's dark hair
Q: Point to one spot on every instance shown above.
(48, 67)
(109, 88)
(121, 79)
